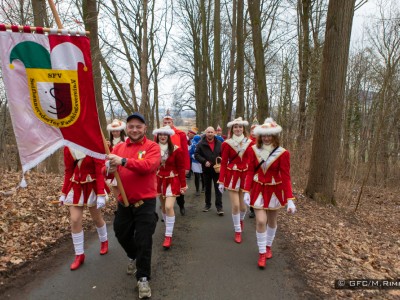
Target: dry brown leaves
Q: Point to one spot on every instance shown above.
(327, 242)
(331, 242)
(29, 222)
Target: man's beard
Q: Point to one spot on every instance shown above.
(137, 138)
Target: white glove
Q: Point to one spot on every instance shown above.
(246, 199)
(221, 188)
(101, 201)
(291, 208)
(61, 199)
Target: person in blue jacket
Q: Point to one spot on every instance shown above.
(196, 166)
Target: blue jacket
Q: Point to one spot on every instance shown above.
(192, 148)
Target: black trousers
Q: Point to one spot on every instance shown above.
(134, 228)
(181, 201)
(209, 178)
(197, 178)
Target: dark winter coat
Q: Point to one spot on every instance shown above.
(203, 153)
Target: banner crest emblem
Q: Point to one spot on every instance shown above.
(52, 81)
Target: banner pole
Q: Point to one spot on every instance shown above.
(55, 14)
(116, 175)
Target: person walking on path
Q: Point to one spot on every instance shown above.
(179, 139)
(207, 151)
(171, 179)
(196, 166)
(268, 185)
(84, 185)
(137, 161)
(191, 133)
(233, 172)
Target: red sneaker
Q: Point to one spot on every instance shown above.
(241, 225)
(262, 261)
(238, 237)
(79, 260)
(167, 242)
(268, 255)
(104, 248)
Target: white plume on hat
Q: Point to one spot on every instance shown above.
(270, 127)
(116, 125)
(165, 130)
(238, 121)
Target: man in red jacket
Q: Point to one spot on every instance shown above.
(179, 139)
(137, 161)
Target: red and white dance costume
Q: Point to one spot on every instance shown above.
(171, 174)
(269, 186)
(233, 172)
(83, 186)
(171, 180)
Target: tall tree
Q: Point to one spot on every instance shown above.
(203, 122)
(187, 47)
(327, 133)
(303, 11)
(217, 61)
(90, 17)
(227, 112)
(39, 13)
(240, 60)
(261, 82)
(40, 19)
(144, 59)
(217, 56)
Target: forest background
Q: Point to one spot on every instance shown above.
(337, 100)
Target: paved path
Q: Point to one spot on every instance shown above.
(203, 263)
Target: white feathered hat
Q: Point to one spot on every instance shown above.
(164, 130)
(238, 121)
(116, 125)
(270, 127)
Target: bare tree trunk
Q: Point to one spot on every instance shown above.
(51, 164)
(327, 133)
(155, 82)
(217, 54)
(203, 122)
(144, 58)
(197, 77)
(217, 61)
(90, 14)
(227, 112)
(117, 88)
(39, 13)
(319, 7)
(304, 7)
(262, 96)
(240, 60)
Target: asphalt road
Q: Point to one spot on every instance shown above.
(203, 263)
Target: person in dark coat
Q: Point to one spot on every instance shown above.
(207, 151)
